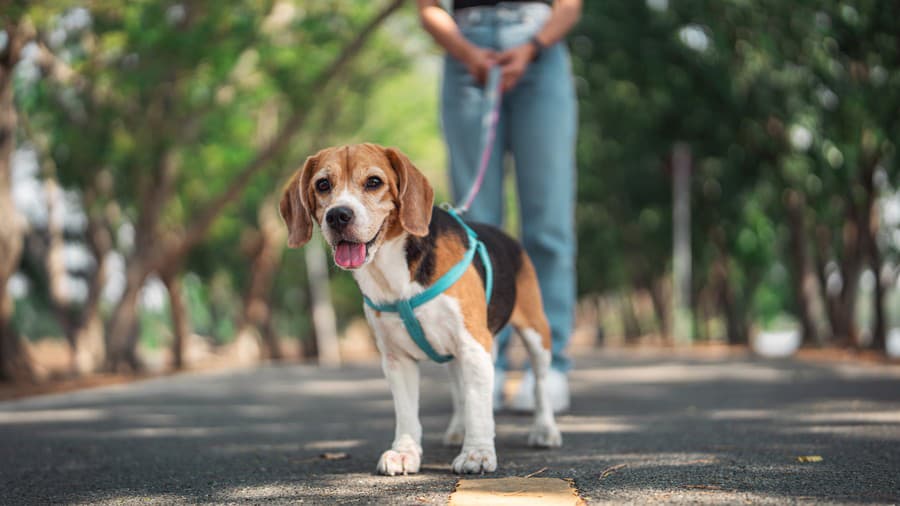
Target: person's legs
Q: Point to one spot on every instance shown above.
(463, 107)
(541, 112)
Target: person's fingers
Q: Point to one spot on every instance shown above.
(482, 74)
(509, 79)
(473, 71)
(505, 58)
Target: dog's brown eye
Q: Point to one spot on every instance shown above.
(323, 185)
(373, 182)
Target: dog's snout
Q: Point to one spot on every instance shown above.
(339, 217)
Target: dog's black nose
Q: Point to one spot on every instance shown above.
(339, 217)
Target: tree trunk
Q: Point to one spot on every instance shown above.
(861, 249)
(309, 347)
(879, 333)
(703, 303)
(822, 253)
(264, 247)
(841, 305)
(630, 323)
(727, 301)
(57, 274)
(122, 330)
(15, 362)
(802, 276)
(324, 322)
(180, 318)
(735, 324)
(124, 325)
(90, 337)
(868, 227)
(657, 295)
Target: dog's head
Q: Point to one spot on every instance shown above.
(360, 195)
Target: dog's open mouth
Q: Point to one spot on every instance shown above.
(352, 255)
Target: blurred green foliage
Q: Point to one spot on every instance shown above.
(790, 111)
(780, 103)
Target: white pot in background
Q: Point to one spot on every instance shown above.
(893, 343)
(776, 343)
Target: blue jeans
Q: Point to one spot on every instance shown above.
(537, 128)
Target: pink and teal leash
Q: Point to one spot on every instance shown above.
(489, 134)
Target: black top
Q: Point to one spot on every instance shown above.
(462, 4)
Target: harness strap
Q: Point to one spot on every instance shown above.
(405, 307)
(417, 333)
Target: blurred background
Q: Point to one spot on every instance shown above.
(738, 175)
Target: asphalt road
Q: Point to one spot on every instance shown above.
(644, 428)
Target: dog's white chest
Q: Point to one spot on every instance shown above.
(387, 279)
(441, 321)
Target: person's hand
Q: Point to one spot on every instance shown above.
(478, 61)
(514, 62)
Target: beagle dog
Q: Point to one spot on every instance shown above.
(375, 210)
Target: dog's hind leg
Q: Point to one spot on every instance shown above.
(456, 431)
(531, 324)
(544, 432)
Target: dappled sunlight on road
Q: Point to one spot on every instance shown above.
(340, 488)
(342, 388)
(51, 415)
(683, 373)
(598, 425)
(641, 428)
(342, 444)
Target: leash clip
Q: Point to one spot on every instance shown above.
(450, 208)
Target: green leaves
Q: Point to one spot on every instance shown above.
(770, 96)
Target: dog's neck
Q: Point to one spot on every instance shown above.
(386, 277)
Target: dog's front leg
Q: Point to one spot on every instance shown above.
(405, 454)
(456, 431)
(478, 454)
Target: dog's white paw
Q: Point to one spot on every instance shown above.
(455, 434)
(545, 436)
(475, 460)
(393, 462)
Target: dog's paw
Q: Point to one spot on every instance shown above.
(475, 460)
(393, 462)
(454, 435)
(545, 436)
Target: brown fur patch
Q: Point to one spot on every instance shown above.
(529, 309)
(468, 290)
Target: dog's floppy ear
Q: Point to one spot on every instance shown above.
(415, 194)
(295, 206)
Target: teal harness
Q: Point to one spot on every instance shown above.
(405, 307)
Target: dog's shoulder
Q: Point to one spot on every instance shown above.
(423, 254)
(429, 257)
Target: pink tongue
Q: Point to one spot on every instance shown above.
(350, 255)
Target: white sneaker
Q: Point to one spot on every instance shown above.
(557, 390)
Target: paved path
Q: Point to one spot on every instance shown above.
(647, 427)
